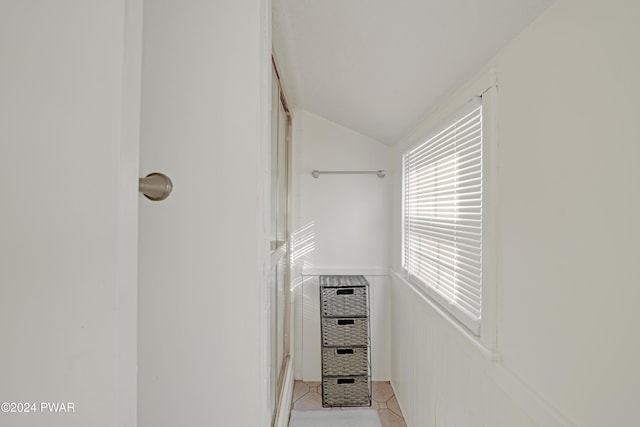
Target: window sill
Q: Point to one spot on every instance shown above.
(489, 354)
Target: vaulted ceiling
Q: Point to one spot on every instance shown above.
(380, 66)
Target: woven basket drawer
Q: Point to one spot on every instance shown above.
(345, 361)
(345, 332)
(344, 301)
(346, 391)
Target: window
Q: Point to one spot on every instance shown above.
(443, 215)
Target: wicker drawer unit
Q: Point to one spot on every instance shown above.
(345, 341)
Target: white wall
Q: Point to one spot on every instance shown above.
(69, 115)
(349, 213)
(567, 213)
(347, 219)
(203, 313)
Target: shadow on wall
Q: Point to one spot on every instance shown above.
(303, 243)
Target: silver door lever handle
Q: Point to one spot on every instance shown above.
(155, 186)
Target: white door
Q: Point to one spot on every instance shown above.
(204, 252)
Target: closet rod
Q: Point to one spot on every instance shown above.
(381, 173)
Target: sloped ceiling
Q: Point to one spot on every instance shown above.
(379, 66)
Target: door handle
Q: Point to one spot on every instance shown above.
(155, 186)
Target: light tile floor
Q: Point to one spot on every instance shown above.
(307, 396)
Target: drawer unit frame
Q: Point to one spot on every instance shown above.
(345, 340)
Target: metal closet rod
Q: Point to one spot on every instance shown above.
(316, 173)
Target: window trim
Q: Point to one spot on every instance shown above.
(485, 329)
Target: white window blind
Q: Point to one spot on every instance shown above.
(442, 244)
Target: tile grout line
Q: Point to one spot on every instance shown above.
(311, 400)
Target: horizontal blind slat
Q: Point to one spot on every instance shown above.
(442, 186)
